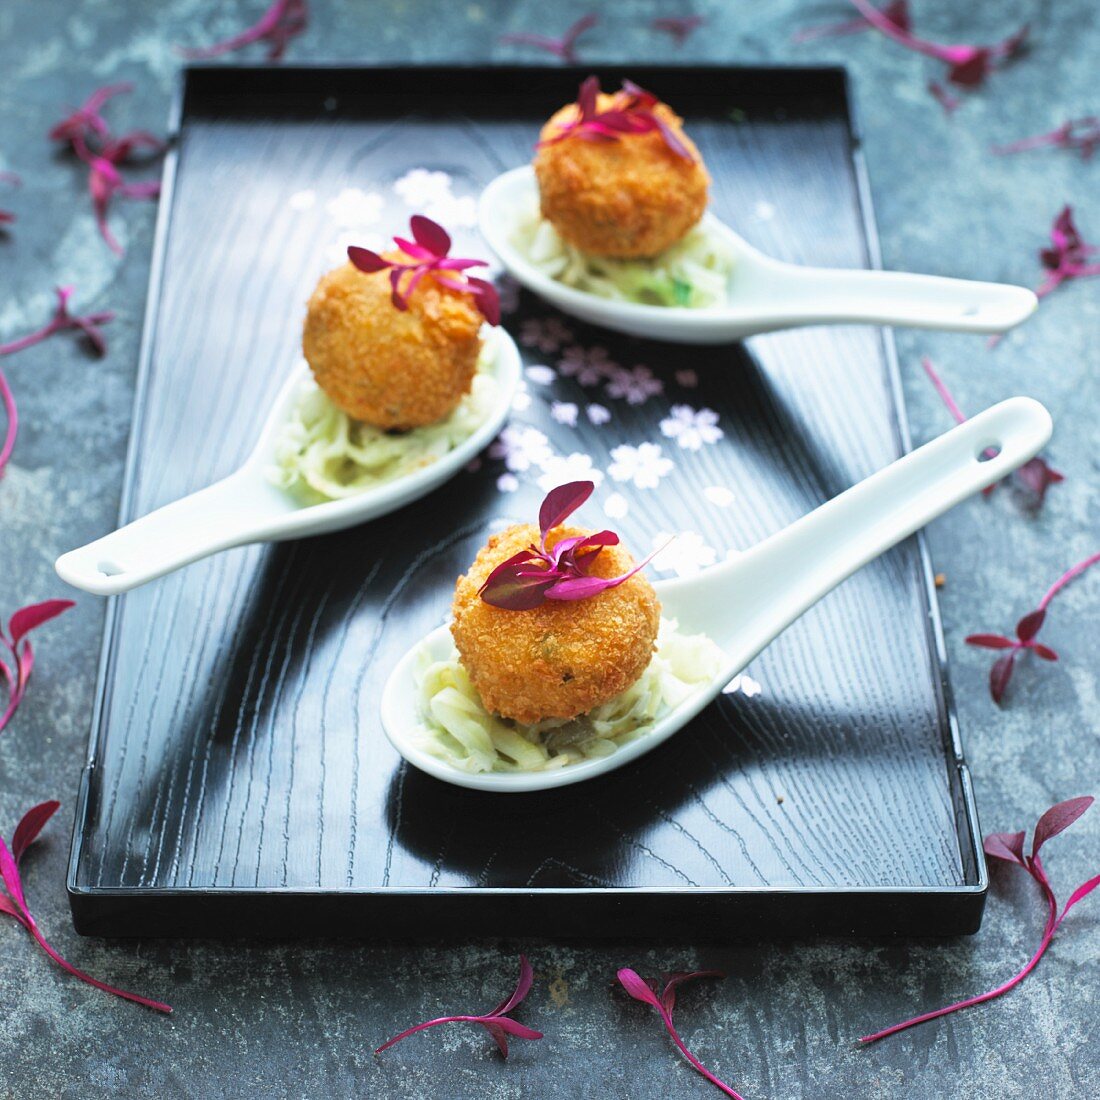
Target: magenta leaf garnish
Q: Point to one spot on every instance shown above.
(14, 902)
(564, 47)
(1078, 133)
(967, 66)
(62, 319)
(678, 27)
(897, 12)
(1034, 476)
(1067, 255)
(16, 675)
(642, 991)
(1026, 630)
(533, 576)
(86, 122)
(1009, 847)
(283, 21)
(89, 135)
(497, 1022)
(631, 112)
(428, 252)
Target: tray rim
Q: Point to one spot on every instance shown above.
(957, 770)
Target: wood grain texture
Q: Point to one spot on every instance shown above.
(239, 745)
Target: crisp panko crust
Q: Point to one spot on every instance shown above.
(628, 198)
(391, 368)
(565, 657)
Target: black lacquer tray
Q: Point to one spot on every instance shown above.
(238, 777)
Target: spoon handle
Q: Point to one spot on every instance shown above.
(780, 578)
(841, 296)
(223, 515)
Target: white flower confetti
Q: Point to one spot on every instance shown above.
(521, 448)
(452, 210)
(616, 506)
(540, 375)
(507, 483)
(643, 465)
(561, 469)
(691, 428)
(564, 412)
(719, 496)
(419, 186)
(598, 414)
(686, 555)
(354, 207)
(689, 379)
(764, 211)
(636, 385)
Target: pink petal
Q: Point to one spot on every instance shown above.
(1029, 625)
(1000, 674)
(1006, 846)
(430, 235)
(561, 502)
(30, 826)
(30, 618)
(990, 641)
(367, 260)
(1058, 818)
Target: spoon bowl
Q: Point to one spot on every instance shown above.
(744, 603)
(765, 294)
(246, 507)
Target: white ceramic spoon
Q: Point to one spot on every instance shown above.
(245, 507)
(764, 294)
(744, 603)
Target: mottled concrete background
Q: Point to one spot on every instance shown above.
(301, 1020)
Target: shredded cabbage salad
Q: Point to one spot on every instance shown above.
(455, 726)
(694, 272)
(324, 454)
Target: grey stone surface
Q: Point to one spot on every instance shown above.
(300, 1020)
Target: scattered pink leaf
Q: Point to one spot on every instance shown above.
(89, 324)
(14, 903)
(17, 644)
(1026, 630)
(89, 135)
(897, 12)
(1079, 133)
(540, 573)
(678, 28)
(283, 21)
(1009, 848)
(428, 251)
(11, 422)
(1035, 476)
(564, 47)
(967, 66)
(86, 122)
(642, 991)
(497, 1022)
(1067, 255)
(631, 112)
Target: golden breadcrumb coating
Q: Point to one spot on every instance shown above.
(629, 198)
(391, 368)
(564, 657)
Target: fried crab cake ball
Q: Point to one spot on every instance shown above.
(564, 657)
(629, 198)
(395, 369)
